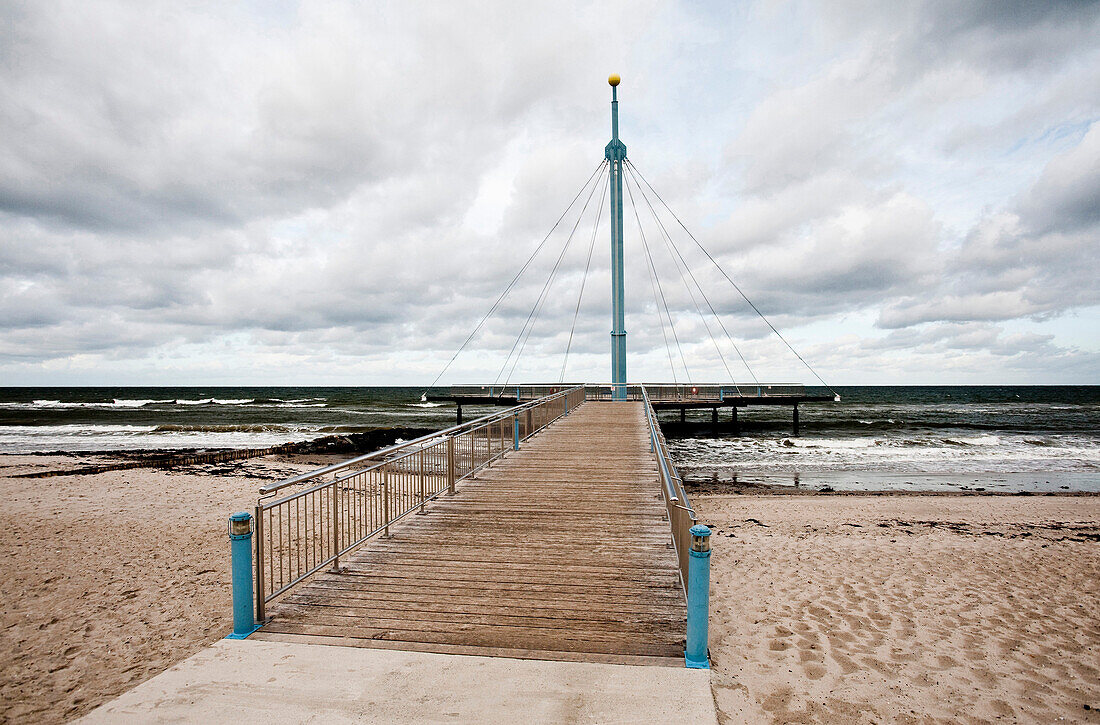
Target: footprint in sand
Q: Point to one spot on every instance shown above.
(813, 670)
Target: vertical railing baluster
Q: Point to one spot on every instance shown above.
(261, 592)
(386, 501)
(335, 506)
(420, 463)
(450, 465)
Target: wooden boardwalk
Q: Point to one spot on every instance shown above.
(559, 550)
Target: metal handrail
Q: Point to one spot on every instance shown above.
(302, 532)
(453, 430)
(681, 516)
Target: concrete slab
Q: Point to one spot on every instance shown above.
(250, 681)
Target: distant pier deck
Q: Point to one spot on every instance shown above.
(663, 396)
(560, 550)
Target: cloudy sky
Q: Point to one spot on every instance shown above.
(336, 192)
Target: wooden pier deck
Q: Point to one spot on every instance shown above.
(559, 550)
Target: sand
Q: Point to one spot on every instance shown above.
(905, 608)
(826, 608)
(109, 579)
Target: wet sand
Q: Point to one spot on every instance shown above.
(924, 609)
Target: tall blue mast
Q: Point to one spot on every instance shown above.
(615, 152)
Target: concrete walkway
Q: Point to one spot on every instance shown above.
(277, 682)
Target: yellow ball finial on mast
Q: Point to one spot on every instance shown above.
(613, 79)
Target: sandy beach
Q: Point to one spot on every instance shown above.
(826, 608)
(109, 579)
(904, 608)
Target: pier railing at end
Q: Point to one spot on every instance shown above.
(681, 517)
(306, 523)
(700, 392)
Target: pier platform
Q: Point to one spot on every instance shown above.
(662, 396)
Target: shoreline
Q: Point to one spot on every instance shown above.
(102, 461)
(697, 487)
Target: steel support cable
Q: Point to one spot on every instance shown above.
(657, 278)
(532, 317)
(672, 244)
(683, 278)
(657, 307)
(584, 277)
(730, 280)
(661, 320)
(529, 325)
(515, 279)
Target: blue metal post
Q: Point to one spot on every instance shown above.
(240, 551)
(515, 432)
(698, 596)
(615, 152)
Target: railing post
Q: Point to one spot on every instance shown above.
(260, 591)
(515, 431)
(698, 599)
(450, 466)
(385, 502)
(240, 550)
(335, 526)
(423, 489)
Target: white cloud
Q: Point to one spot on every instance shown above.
(330, 192)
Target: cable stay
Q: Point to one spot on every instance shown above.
(532, 317)
(600, 167)
(670, 243)
(660, 289)
(680, 265)
(660, 319)
(584, 278)
(730, 279)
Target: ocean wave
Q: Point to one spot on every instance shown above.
(261, 428)
(216, 401)
(425, 405)
(79, 404)
(229, 428)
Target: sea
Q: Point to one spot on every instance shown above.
(978, 438)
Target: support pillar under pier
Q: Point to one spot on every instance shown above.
(733, 419)
(683, 414)
(714, 416)
(795, 406)
(459, 417)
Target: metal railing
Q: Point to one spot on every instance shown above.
(719, 392)
(519, 392)
(334, 509)
(681, 517)
(660, 392)
(604, 392)
(672, 392)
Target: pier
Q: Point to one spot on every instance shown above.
(556, 529)
(558, 549)
(663, 396)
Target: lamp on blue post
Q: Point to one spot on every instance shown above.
(698, 596)
(240, 551)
